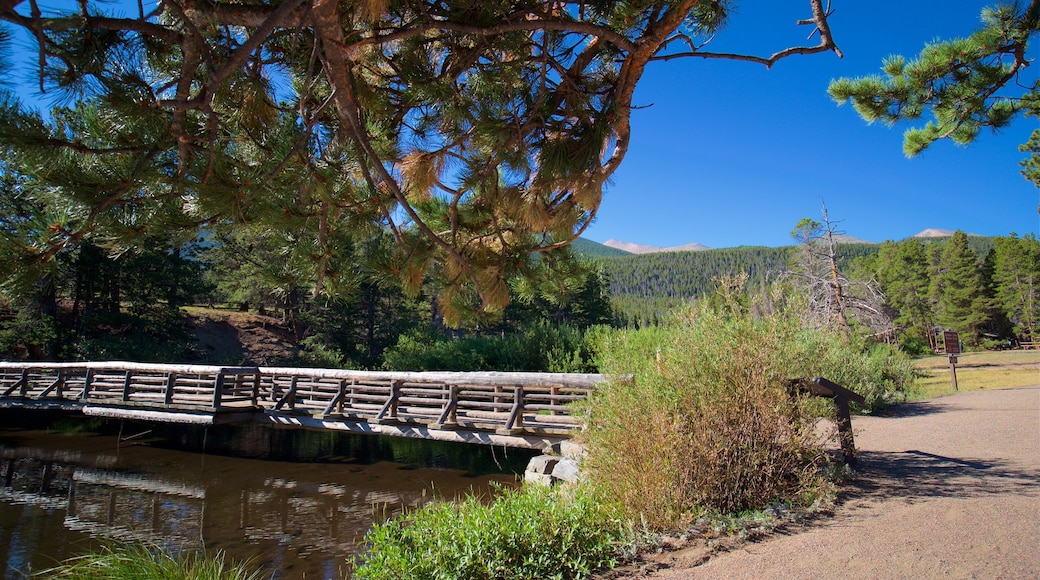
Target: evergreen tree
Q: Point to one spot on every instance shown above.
(903, 273)
(967, 84)
(475, 133)
(1016, 276)
(963, 302)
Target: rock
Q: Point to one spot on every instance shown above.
(569, 448)
(542, 464)
(567, 469)
(538, 478)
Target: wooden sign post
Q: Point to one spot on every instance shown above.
(952, 344)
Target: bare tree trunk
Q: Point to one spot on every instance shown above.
(832, 255)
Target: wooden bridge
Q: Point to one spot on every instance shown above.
(530, 410)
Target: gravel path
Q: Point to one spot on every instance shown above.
(947, 488)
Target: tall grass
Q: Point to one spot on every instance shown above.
(708, 423)
(532, 533)
(147, 562)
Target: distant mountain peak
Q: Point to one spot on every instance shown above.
(847, 239)
(934, 233)
(644, 249)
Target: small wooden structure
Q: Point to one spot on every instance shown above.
(512, 409)
(822, 387)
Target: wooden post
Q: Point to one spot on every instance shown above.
(449, 417)
(841, 396)
(19, 385)
(389, 410)
(58, 385)
(953, 370)
(86, 384)
(845, 436)
(290, 397)
(218, 388)
(337, 401)
(256, 388)
(516, 416)
(171, 385)
(126, 385)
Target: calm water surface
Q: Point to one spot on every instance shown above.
(62, 495)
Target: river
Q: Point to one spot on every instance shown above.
(295, 504)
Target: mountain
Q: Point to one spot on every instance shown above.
(846, 239)
(934, 233)
(593, 249)
(643, 249)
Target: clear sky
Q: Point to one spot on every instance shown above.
(729, 153)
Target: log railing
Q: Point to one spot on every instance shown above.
(116, 384)
(503, 402)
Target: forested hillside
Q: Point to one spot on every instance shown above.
(646, 286)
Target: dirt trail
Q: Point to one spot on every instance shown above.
(947, 488)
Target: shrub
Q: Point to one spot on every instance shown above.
(708, 423)
(540, 348)
(881, 373)
(535, 532)
(915, 345)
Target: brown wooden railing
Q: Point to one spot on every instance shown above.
(506, 403)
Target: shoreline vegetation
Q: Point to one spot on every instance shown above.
(545, 517)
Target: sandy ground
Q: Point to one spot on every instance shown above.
(947, 488)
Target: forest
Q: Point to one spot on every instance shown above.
(96, 305)
(645, 287)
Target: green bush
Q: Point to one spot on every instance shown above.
(708, 424)
(535, 532)
(541, 348)
(881, 373)
(26, 330)
(915, 345)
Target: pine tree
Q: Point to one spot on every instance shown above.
(903, 273)
(1016, 276)
(475, 133)
(963, 303)
(967, 84)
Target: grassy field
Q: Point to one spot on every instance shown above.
(978, 370)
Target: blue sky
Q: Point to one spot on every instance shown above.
(731, 154)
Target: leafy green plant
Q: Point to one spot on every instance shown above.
(534, 532)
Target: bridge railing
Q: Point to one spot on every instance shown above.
(506, 402)
(123, 383)
(510, 401)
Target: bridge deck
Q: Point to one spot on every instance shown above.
(512, 409)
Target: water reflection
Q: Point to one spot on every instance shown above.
(62, 495)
